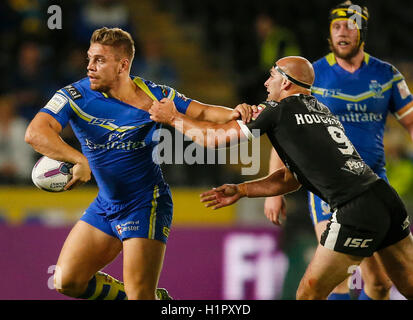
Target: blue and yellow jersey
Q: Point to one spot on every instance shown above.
(362, 101)
(116, 138)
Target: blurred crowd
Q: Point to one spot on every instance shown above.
(37, 61)
(245, 37)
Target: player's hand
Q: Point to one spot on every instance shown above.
(222, 196)
(243, 111)
(163, 111)
(275, 209)
(80, 174)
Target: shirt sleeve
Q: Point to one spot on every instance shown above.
(261, 122)
(59, 108)
(181, 102)
(401, 101)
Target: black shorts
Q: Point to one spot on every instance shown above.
(372, 221)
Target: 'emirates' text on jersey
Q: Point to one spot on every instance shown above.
(116, 138)
(362, 101)
(312, 144)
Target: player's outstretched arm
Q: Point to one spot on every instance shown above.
(218, 114)
(43, 135)
(204, 133)
(280, 182)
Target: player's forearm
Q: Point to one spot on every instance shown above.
(278, 183)
(46, 141)
(204, 133)
(217, 114)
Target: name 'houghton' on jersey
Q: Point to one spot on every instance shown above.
(116, 138)
(312, 144)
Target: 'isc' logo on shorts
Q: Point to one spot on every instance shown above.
(357, 243)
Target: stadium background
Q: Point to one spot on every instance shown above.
(211, 51)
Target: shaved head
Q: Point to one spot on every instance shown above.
(290, 75)
(298, 68)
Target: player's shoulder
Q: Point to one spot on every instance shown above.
(268, 103)
(80, 91)
(298, 98)
(322, 69)
(324, 62)
(306, 101)
(158, 90)
(381, 66)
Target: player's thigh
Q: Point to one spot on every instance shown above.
(320, 228)
(142, 264)
(398, 262)
(374, 274)
(327, 269)
(86, 251)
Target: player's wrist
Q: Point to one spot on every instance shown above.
(174, 118)
(81, 159)
(242, 190)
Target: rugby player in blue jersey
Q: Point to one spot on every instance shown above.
(361, 91)
(133, 209)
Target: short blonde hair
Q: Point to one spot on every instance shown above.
(115, 37)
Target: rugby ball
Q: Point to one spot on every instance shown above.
(51, 175)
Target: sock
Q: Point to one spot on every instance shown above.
(364, 296)
(339, 296)
(104, 287)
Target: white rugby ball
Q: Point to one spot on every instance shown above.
(51, 175)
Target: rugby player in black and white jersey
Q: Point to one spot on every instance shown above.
(368, 214)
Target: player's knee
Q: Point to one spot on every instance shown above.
(71, 287)
(379, 287)
(307, 290)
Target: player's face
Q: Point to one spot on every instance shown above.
(273, 85)
(344, 39)
(103, 67)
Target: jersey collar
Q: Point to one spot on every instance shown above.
(331, 59)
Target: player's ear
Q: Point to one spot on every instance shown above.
(124, 65)
(286, 84)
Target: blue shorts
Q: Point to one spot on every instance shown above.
(320, 210)
(151, 218)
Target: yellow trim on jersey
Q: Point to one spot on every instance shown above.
(79, 112)
(88, 118)
(366, 58)
(144, 87)
(152, 218)
(313, 210)
(105, 94)
(331, 58)
(407, 109)
(362, 96)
